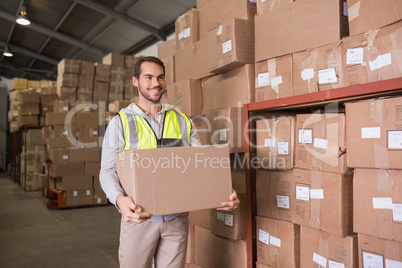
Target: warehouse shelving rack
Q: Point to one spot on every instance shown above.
(391, 87)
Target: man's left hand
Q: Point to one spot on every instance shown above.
(232, 204)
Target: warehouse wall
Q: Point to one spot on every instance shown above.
(3, 123)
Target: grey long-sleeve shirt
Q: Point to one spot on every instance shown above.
(113, 143)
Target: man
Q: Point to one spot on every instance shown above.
(148, 124)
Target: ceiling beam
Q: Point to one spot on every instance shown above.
(54, 34)
(8, 66)
(121, 16)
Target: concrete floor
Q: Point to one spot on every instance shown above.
(33, 236)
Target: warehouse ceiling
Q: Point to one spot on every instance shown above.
(80, 29)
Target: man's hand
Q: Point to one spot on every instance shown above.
(130, 211)
(232, 204)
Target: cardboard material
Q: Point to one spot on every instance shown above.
(67, 93)
(114, 59)
(87, 68)
(67, 80)
(299, 25)
(92, 168)
(277, 242)
(230, 89)
(203, 127)
(101, 92)
(159, 182)
(215, 13)
(74, 183)
(84, 154)
(322, 249)
(85, 83)
(377, 252)
(61, 106)
(34, 137)
(18, 83)
(74, 198)
(60, 118)
(231, 45)
(275, 142)
(60, 142)
(377, 200)
(213, 251)
(28, 96)
(48, 90)
(273, 78)
(70, 66)
(201, 218)
(59, 155)
(100, 197)
(238, 169)
(227, 128)
(362, 12)
(231, 225)
(318, 69)
(323, 200)
(67, 169)
(275, 192)
(170, 69)
(187, 96)
(28, 120)
(30, 108)
(373, 56)
(372, 130)
(186, 29)
(166, 48)
(320, 142)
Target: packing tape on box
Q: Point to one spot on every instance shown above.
(316, 194)
(323, 250)
(272, 74)
(309, 69)
(353, 11)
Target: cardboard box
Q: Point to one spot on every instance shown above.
(273, 78)
(74, 183)
(318, 69)
(28, 120)
(238, 169)
(171, 187)
(166, 48)
(92, 168)
(34, 137)
(60, 142)
(323, 200)
(45, 109)
(170, 69)
(372, 56)
(231, 225)
(187, 96)
(113, 59)
(322, 249)
(186, 29)
(231, 45)
(377, 252)
(230, 89)
(100, 197)
(67, 93)
(74, 198)
(275, 142)
(85, 83)
(203, 128)
(57, 118)
(90, 118)
(102, 69)
(117, 72)
(33, 84)
(61, 106)
(362, 12)
(47, 83)
(320, 142)
(215, 13)
(101, 92)
(67, 169)
(30, 108)
(377, 202)
(115, 106)
(190, 61)
(59, 155)
(298, 26)
(227, 128)
(372, 130)
(87, 68)
(70, 66)
(18, 83)
(84, 154)
(67, 80)
(275, 193)
(130, 61)
(201, 218)
(213, 251)
(48, 90)
(278, 242)
(28, 96)
(48, 99)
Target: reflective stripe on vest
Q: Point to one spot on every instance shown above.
(174, 125)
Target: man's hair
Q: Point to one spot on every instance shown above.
(137, 66)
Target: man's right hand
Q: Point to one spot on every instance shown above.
(130, 211)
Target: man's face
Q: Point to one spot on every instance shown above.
(151, 84)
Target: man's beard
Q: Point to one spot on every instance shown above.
(149, 98)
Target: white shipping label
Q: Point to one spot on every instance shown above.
(306, 136)
(283, 148)
(320, 260)
(317, 193)
(229, 220)
(381, 61)
(86, 109)
(269, 142)
(99, 200)
(220, 216)
(276, 81)
(65, 108)
(392, 264)
(283, 201)
(394, 139)
(65, 157)
(382, 203)
(223, 135)
(263, 79)
(303, 193)
(263, 236)
(227, 46)
(371, 132)
(397, 212)
(307, 74)
(94, 132)
(354, 56)
(275, 241)
(181, 35)
(334, 264)
(327, 76)
(88, 192)
(186, 32)
(44, 108)
(75, 193)
(372, 260)
(320, 143)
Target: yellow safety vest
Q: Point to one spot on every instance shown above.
(138, 133)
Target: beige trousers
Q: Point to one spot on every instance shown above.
(165, 242)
